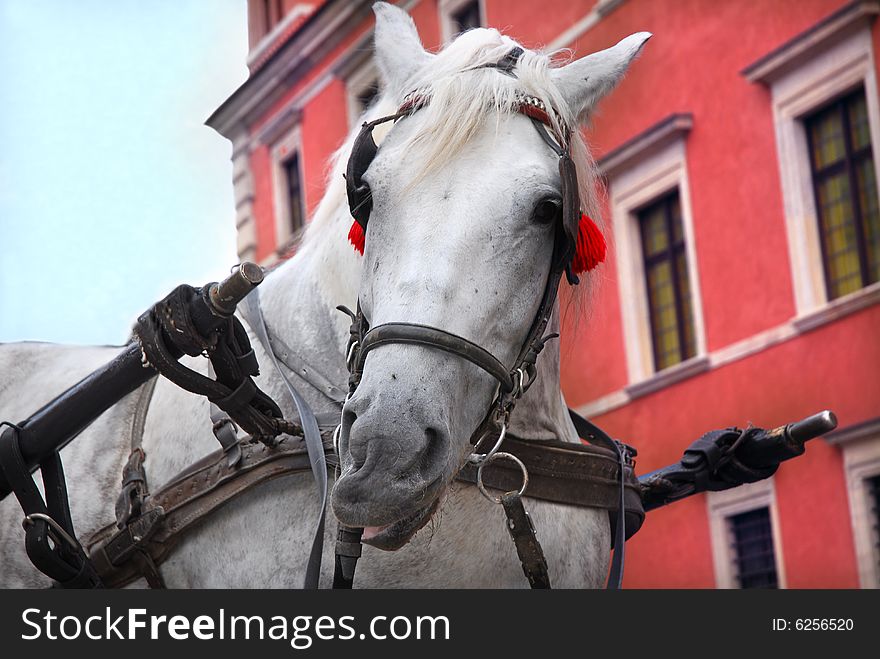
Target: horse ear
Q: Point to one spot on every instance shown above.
(399, 51)
(585, 81)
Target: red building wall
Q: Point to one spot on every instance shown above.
(692, 65)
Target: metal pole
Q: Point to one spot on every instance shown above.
(58, 422)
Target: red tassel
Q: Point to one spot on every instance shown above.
(356, 236)
(591, 248)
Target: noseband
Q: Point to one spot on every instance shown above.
(513, 382)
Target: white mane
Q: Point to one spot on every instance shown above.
(463, 99)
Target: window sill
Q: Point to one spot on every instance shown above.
(842, 306)
(673, 374)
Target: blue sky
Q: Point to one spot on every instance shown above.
(112, 189)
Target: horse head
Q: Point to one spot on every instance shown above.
(464, 201)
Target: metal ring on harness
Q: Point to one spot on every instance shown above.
(512, 458)
(482, 458)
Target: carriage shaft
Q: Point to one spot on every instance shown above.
(58, 422)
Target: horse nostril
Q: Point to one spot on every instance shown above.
(433, 451)
(356, 449)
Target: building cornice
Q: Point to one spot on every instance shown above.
(320, 34)
(672, 128)
(823, 34)
(273, 39)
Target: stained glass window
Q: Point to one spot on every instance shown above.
(668, 285)
(845, 186)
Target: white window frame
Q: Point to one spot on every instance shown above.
(280, 154)
(833, 58)
(722, 506)
(448, 8)
(638, 174)
(355, 84)
(861, 460)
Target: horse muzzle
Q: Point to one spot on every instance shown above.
(394, 466)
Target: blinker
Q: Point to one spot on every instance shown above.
(362, 154)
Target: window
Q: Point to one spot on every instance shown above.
(658, 283)
(288, 193)
(457, 16)
(845, 186)
(367, 95)
(361, 78)
(752, 544)
(667, 282)
(860, 444)
(468, 16)
(294, 194)
(746, 543)
(823, 87)
(872, 486)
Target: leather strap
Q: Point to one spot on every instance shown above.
(50, 540)
(624, 453)
(250, 310)
(525, 538)
(434, 337)
(134, 477)
(224, 428)
(348, 551)
(306, 371)
(186, 500)
(573, 474)
(169, 328)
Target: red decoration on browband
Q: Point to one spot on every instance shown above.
(356, 236)
(590, 249)
(589, 252)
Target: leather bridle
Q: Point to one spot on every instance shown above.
(513, 382)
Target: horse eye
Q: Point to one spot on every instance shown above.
(546, 211)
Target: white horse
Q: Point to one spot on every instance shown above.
(453, 242)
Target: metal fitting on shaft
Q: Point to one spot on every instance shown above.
(225, 296)
(812, 426)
